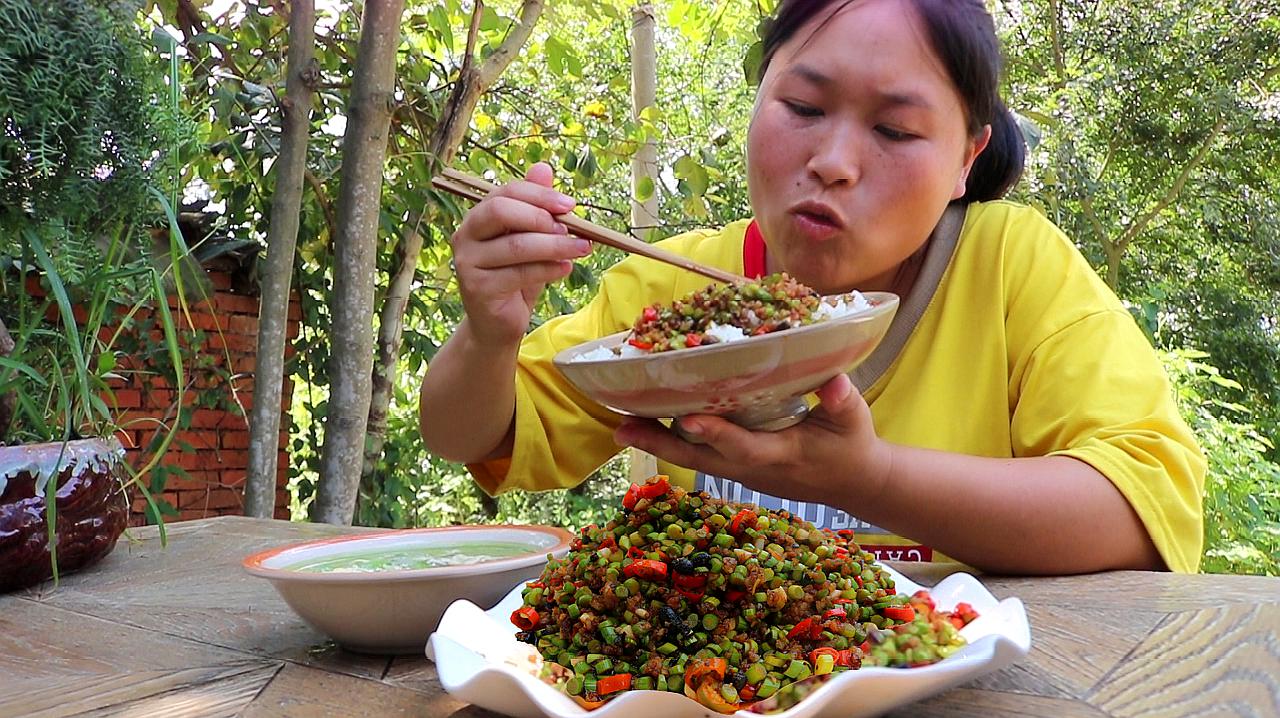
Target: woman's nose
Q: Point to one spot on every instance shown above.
(836, 159)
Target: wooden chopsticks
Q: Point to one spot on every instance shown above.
(476, 189)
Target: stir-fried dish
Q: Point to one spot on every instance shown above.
(770, 304)
(731, 605)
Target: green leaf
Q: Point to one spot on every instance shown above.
(694, 175)
(644, 189)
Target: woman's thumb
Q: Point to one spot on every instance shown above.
(838, 399)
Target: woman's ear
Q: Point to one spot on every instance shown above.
(976, 145)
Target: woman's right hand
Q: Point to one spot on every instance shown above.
(508, 247)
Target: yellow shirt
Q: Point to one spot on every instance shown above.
(1022, 351)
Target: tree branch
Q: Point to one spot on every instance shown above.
(1176, 188)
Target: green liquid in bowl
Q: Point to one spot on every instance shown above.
(415, 558)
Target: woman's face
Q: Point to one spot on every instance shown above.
(857, 144)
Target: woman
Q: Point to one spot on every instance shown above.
(1014, 418)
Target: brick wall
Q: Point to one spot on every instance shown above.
(206, 462)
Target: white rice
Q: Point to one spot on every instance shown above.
(725, 332)
(597, 354)
(832, 307)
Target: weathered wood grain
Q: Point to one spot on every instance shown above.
(1215, 661)
(57, 662)
(1072, 651)
(973, 703)
(301, 692)
(208, 699)
(182, 630)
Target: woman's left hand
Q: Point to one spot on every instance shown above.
(835, 446)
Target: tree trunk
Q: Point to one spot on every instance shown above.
(644, 81)
(446, 138)
(364, 149)
(7, 399)
(277, 273)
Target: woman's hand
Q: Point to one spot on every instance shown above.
(508, 247)
(835, 446)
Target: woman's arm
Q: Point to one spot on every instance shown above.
(468, 400)
(1026, 515)
(508, 247)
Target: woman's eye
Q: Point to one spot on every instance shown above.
(802, 110)
(892, 134)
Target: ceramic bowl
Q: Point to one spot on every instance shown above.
(758, 382)
(391, 610)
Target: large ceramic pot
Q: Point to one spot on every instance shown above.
(92, 507)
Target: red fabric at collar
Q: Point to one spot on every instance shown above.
(753, 252)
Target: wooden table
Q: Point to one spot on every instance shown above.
(182, 630)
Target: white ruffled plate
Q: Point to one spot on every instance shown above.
(474, 649)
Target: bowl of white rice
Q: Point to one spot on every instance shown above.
(758, 382)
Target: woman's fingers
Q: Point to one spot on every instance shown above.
(728, 448)
(502, 214)
(518, 277)
(512, 249)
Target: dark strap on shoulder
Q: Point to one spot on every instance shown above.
(941, 246)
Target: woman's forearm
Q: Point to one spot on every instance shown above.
(467, 404)
(1047, 515)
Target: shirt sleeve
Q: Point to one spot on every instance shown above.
(561, 436)
(1095, 390)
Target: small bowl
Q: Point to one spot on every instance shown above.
(758, 382)
(392, 610)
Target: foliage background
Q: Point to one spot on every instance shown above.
(1154, 139)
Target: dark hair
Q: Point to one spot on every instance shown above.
(964, 37)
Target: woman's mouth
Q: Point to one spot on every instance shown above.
(816, 220)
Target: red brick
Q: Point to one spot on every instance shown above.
(220, 280)
(245, 324)
(233, 477)
(232, 342)
(235, 439)
(295, 309)
(212, 499)
(193, 481)
(217, 418)
(206, 322)
(236, 303)
(198, 439)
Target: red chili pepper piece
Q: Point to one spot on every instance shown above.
(906, 614)
(747, 692)
(650, 314)
(803, 629)
(692, 594)
(640, 344)
(689, 581)
(824, 651)
(741, 520)
(655, 487)
(923, 597)
(734, 595)
(692, 339)
(647, 569)
(525, 618)
(613, 684)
